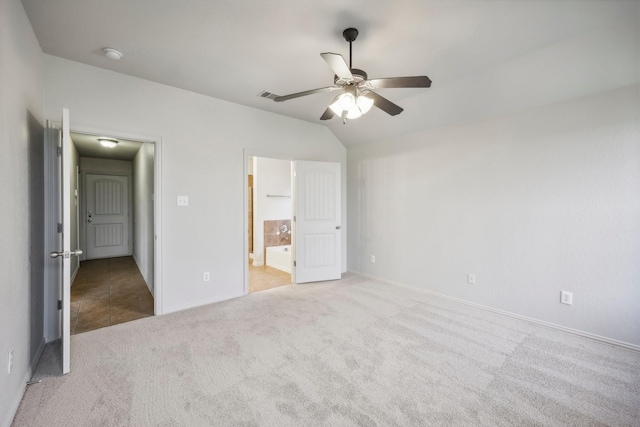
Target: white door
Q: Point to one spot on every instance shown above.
(63, 179)
(316, 210)
(107, 216)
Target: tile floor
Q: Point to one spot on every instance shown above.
(265, 277)
(106, 292)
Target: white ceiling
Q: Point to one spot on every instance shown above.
(485, 58)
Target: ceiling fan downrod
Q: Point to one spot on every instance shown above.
(350, 35)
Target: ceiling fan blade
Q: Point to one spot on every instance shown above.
(327, 115)
(392, 82)
(305, 93)
(384, 104)
(338, 65)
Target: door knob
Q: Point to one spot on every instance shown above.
(89, 220)
(337, 227)
(56, 254)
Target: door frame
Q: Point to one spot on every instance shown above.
(157, 199)
(51, 320)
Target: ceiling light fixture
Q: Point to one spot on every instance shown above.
(112, 53)
(108, 142)
(357, 94)
(349, 106)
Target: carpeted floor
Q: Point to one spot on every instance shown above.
(350, 352)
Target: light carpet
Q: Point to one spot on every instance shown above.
(351, 352)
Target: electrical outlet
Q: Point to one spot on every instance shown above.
(566, 297)
(183, 200)
(471, 278)
(205, 276)
(373, 259)
(10, 361)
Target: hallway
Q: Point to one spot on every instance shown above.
(106, 292)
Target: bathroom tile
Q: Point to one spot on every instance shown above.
(271, 240)
(265, 277)
(270, 226)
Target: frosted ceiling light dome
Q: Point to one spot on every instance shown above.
(108, 142)
(112, 53)
(364, 103)
(353, 112)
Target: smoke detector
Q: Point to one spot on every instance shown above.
(112, 53)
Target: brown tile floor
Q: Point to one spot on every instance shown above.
(265, 277)
(106, 292)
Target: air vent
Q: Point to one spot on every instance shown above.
(269, 95)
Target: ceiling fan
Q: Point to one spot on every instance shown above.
(357, 96)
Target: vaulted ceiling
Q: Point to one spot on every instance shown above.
(485, 58)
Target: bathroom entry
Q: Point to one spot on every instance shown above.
(269, 222)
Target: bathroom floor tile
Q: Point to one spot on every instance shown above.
(265, 277)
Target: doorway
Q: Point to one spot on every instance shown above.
(269, 219)
(113, 282)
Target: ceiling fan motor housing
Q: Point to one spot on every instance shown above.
(358, 77)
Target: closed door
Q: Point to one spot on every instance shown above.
(317, 227)
(107, 216)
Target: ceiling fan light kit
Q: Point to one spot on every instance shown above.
(357, 95)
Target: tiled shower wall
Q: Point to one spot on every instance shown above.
(271, 236)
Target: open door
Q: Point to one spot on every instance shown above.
(316, 214)
(62, 177)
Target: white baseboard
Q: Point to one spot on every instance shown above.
(584, 334)
(144, 276)
(7, 419)
(36, 357)
(73, 275)
(200, 304)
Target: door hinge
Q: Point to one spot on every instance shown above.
(59, 304)
(59, 151)
(59, 227)
(294, 218)
(294, 263)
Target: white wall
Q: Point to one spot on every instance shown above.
(20, 116)
(202, 151)
(532, 203)
(270, 177)
(143, 212)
